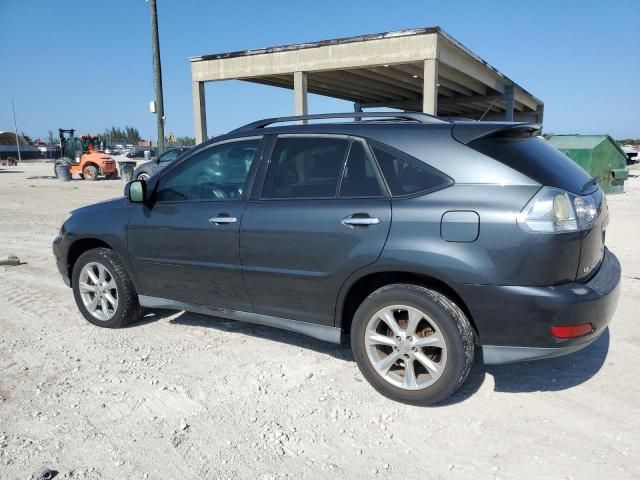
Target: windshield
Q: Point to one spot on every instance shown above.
(168, 156)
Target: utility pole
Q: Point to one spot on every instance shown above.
(15, 126)
(157, 74)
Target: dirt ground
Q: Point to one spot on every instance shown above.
(185, 396)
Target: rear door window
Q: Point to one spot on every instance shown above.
(305, 167)
(407, 176)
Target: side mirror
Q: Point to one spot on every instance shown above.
(136, 191)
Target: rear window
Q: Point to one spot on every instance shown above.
(537, 159)
(407, 176)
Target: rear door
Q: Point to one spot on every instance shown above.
(322, 213)
(185, 245)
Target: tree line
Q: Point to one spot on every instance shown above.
(129, 135)
(186, 141)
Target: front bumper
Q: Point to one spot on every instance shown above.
(60, 255)
(514, 322)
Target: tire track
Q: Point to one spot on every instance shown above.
(37, 301)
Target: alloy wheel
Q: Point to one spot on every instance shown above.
(405, 347)
(98, 291)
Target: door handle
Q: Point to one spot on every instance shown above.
(222, 219)
(360, 221)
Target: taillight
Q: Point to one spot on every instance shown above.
(571, 331)
(553, 210)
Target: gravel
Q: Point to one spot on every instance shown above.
(179, 395)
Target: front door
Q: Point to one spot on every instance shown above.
(185, 244)
(322, 214)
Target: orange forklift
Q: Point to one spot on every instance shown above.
(84, 156)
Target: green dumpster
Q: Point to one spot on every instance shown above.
(599, 155)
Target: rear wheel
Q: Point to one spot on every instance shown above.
(90, 172)
(103, 290)
(413, 344)
(111, 176)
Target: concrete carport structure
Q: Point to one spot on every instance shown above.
(419, 70)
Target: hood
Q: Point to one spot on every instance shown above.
(104, 205)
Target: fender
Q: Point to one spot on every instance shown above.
(383, 266)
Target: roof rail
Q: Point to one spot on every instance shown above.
(413, 116)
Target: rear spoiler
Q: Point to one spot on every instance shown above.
(466, 132)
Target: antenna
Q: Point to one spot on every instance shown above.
(15, 126)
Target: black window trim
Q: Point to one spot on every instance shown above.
(261, 177)
(447, 181)
(249, 182)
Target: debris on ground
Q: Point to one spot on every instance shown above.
(44, 474)
(10, 261)
(102, 404)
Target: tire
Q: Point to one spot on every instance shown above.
(111, 176)
(428, 365)
(143, 176)
(127, 309)
(90, 172)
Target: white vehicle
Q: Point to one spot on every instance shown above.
(632, 153)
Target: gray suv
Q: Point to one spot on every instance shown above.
(423, 241)
(145, 170)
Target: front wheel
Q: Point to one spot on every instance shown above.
(413, 344)
(90, 172)
(143, 176)
(103, 290)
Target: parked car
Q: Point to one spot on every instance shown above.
(134, 153)
(145, 170)
(421, 240)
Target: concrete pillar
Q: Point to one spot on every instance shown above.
(540, 114)
(510, 100)
(430, 88)
(357, 108)
(300, 93)
(199, 112)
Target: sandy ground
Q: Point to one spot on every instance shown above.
(185, 396)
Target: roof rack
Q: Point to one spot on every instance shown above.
(411, 116)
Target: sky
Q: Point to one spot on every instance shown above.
(83, 65)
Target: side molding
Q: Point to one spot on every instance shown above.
(321, 332)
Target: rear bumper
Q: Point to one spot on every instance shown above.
(501, 354)
(514, 322)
